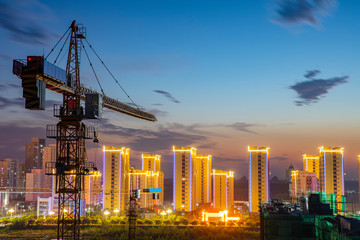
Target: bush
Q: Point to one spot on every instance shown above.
(194, 222)
(139, 221)
(203, 223)
(185, 221)
(167, 222)
(18, 224)
(148, 221)
(176, 222)
(158, 222)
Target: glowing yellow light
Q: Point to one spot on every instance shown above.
(258, 149)
(51, 213)
(11, 210)
(116, 210)
(163, 213)
(169, 211)
(106, 212)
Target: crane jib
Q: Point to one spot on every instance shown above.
(35, 70)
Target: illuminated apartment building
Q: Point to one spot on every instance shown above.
(311, 164)
(258, 177)
(183, 195)
(9, 174)
(151, 162)
(331, 174)
(93, 189)
(223, 189)
(149, 177)
(34, 186)
(202, 179)
(116, 182)
(302, 182)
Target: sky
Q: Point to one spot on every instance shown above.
(219, 76)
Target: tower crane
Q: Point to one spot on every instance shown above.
(71, 166)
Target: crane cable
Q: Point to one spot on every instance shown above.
(97, 79)
(62, 48)
(56, 44)
(112, 75)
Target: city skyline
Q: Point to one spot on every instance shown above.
(235, 80)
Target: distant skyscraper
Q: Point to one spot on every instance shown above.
(33, 154)
(21, 177)
(202, 179)
(332, 172)
(9, 176)
(223, 189)
(288, 172)
(116, 178)
(183, 197)
(49, 155)
(302, 182)
(311, 164)
(34, 183)
(258, 176)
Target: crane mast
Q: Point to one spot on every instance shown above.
(70, 147)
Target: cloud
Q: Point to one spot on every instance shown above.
(10, 102)
(158, 139)
(311, 73)
(310, 91)
(21, 19)
(167, 95)
(279, 158)
(158, 112)
(243, 127)
(293, 12)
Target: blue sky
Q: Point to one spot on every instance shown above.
(230, 66)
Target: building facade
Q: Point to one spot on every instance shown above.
(302, 182)
(202, 179)
(49, 155)
(34, 186)
(9, 176)
(33, 154)
(223, 189)
(258, 177)
(331, 173)
(92, 191)
(311, 164)
(116, 183)
(183, 196)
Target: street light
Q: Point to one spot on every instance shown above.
(51, 213)
(106, 213)
(11, 211)
(169, 211)
(116, 211)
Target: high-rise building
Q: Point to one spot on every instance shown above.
(223, 189)
(183, 188)
(140, 179)
(93, 192)
(34, 183)
(331, 172)
(9, 176)
(21, 177)
(258, 177)
(151, 162)
(33, 154)
(202, 179)
(311, 164)
(302, 182)
(154, 178)
(116, 183)
(49, 155)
